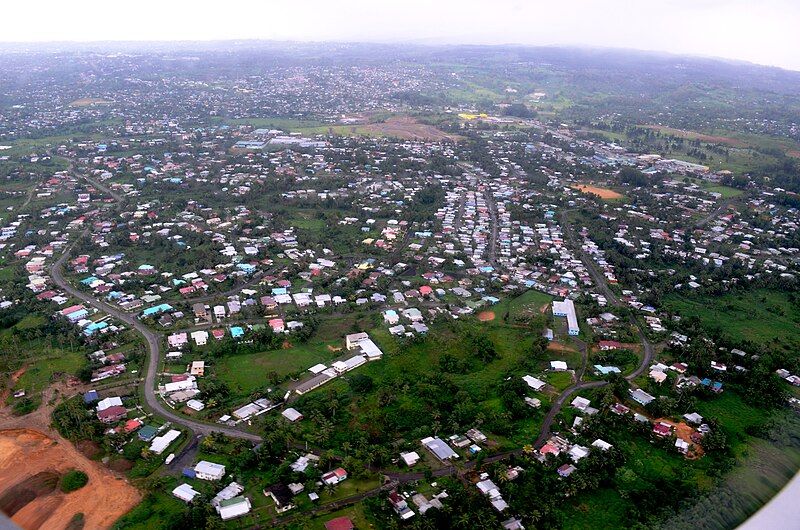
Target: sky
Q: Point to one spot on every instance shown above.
(759, 31)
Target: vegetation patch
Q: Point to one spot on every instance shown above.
(73, 480)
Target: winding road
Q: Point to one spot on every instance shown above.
(199, 429)
(153, 343)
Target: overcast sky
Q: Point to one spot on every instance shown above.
(761, 31)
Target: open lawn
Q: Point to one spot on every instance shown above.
(761, 316)
(41, 370)
(248, 372)
(528, 304)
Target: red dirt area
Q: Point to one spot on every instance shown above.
(408, 128)
(684, 431)
(557, 346)
(12, 381)
(30, 464)
(603, 193)
(286, 345)
(793, 153)
(691, 135)
(486, 316)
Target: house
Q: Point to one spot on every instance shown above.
(512, 524)
(147, 433)
(409, 458)
(641, 397)
(159, 444)
(114, 401)
(391, 317)
(185, 493)
(200, 311)
(682, 446)
(352, 341)
(277, 325)
(200, 337)
(533, 382)
(693, 417)
(112, 414)
(576, 452)
(198, 368)
(662, 429)
(558, 366)
(400, 505)
(282, 497)
(439, 448)
(566, 470)
(602, 445)
(232, 508)
(205, 470)
(292, 415)
(334, 477)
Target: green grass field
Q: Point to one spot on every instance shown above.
(248, 372)
(762, 316)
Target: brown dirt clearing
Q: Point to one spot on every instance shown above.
(603, 193)
(408, 128)
(557, 346)
(692, 135)
(27, 455)
(486, 316)
(85, 102)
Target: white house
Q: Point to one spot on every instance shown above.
(205, 470)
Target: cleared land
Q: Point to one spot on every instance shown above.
(603, 193)
(30, 464)
(85, 102)
(767, 317)
(407, 128)
(692, 135)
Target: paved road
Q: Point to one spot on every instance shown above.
(153, 343)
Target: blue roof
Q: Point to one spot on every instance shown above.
(87, 281)
(91, 396)
(156, 309)
(236, 332)
(279, 290)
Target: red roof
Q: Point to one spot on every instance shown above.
(340, 523)
(112, 412)
(662, 429)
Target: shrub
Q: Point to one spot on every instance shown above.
(73, 480)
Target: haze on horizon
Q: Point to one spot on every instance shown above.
(763, 32)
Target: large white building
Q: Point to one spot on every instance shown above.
(567, 309)
(206, 470)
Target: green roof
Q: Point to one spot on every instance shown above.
(232, 501)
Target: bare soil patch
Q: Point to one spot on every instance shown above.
(692, 135)
(793, 153)
(12, 381)
(603, 193)
(29, 461)
(408, 128)
(85, 102)
(486, 316)
(88, 448)
(557, 346)
(17, 497)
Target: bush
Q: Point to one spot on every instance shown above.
(73, 480)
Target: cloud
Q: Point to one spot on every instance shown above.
(763, 32)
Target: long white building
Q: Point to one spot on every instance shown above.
(567, 309)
